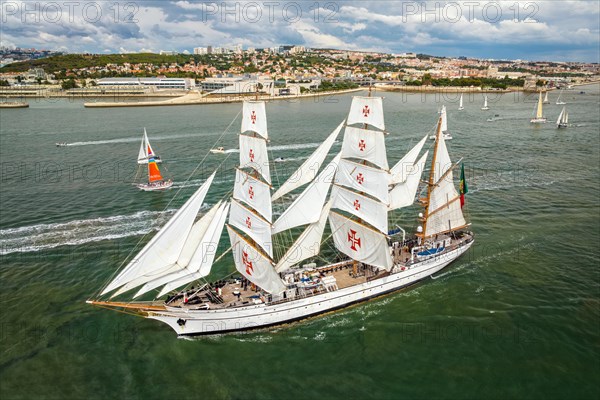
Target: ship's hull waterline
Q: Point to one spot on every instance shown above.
(205, 322)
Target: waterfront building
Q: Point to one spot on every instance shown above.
(158, 83)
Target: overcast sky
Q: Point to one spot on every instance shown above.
(535, 30)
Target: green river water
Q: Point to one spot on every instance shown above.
(516, 317)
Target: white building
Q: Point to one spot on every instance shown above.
(200, 50)
(158, 83)
(237, 85)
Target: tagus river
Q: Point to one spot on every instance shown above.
(516, 317)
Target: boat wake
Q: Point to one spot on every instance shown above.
(137, 139)
(47, 236)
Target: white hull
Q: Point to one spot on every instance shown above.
(199, 322)
(538, 121)
(146, 187)
(485, 108)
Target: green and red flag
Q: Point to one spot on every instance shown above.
(462, 187)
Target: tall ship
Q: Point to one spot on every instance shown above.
(330, 248)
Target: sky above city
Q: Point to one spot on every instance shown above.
(533, 30)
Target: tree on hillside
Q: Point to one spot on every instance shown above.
(69, 84)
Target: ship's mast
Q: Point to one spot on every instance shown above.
(430, 183)
(354, 262)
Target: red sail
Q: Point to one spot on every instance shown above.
(153, 171)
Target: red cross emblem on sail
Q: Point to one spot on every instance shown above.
(249, 223)
(251, 155)
(353, 239)
(253, 117)
(362, 145)
(356, 205)
(366, 111)
(251, 192)
(247, 263)
(360, 178)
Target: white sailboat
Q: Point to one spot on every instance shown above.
(444, 124)
(546, 101)
(370, 261)
(485, 103)
(147, 156)
(460, 103)
(563, 119)
(559, 101)
(539, 116)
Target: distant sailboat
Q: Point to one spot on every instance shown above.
(444, 125)
(563, 119)
(460, 103)
(147, 156)
(559, 101)
(539, 116)
(485, 105)
(546, 101)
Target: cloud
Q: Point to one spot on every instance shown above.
(482, 29)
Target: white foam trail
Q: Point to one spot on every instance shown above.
(47, 236)
(138, 138)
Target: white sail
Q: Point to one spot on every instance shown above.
(142, 157)
(560, 117)
(360, 242)
(254, 118)
(253, 154)
(252, 225)
(309, 169)
(363, 178)
(254, 193)
(308, 243)
(403, 193)
(485, 103)
(538, 114)
(369, 210)
(164, 249)
(367, 110)
(366, 145)
(146, 150)
(442, 162)
(403, 168)
(200, 261)
(566, 117)
(443, 211)
(460, 102)
(307, 207)
(444, 119)
(558, 101)
(253, 265)
(546, 98)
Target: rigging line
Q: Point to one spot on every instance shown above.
(168, 204)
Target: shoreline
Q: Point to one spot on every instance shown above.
(198, 99)
(463, 89)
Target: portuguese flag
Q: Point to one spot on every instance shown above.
(462, 187)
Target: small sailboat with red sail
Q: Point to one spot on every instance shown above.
(147, 156)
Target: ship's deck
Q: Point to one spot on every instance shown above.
(308, 282)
